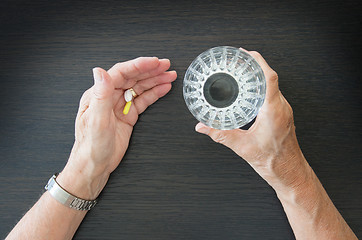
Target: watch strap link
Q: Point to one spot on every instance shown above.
(67, 199)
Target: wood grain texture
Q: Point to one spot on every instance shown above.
(174, 183)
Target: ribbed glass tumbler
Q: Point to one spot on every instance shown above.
(224, 88)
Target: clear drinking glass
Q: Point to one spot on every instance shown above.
(224, 88)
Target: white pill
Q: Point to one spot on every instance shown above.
(128, 95)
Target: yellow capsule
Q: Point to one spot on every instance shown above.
(127, 107)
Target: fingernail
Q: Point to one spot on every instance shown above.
(201, 128)
(165, 60)
(97, 75)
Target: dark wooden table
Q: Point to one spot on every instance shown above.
(174, 183)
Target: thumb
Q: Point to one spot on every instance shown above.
(232, 139)
(101, 100)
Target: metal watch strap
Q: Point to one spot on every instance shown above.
(67, 199)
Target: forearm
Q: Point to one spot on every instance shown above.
(49, 219)
(309, 209)
(270, 146)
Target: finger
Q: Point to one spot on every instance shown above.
(150, 96)
(144, 85)
(125, 74)
(271, 76)
(123, 71)
(164, 65)
(101, 101)
(230, 138)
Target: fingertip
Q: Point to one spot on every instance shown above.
(165, 60)
(174, 75)
(198, 126)
(202, 128)
(165, 63)
(97, 75)
(243, 49)
(96, 69)
(102, 83)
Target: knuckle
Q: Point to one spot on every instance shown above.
(117, 65)
(85, 95)
(273, 76)
(290, 122)
(287, 115)
(290, 109)
(84, 100)
(136, 65)
(291, 116)
(118, 69)
(97, 94)
(218, 136)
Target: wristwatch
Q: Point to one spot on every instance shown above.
(67, 199)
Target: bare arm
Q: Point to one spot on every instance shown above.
(48, 219)
(270, 146)
(102, 134)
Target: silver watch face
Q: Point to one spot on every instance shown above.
(224, 88)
